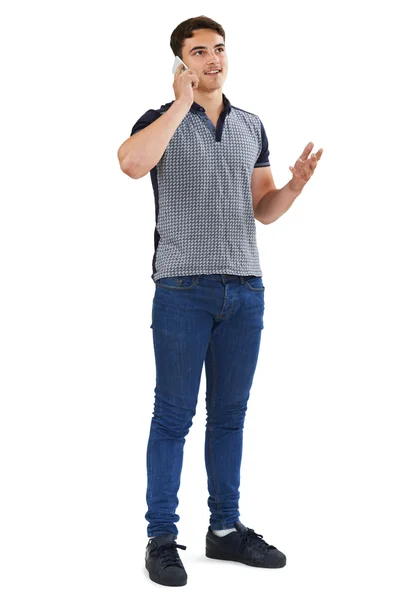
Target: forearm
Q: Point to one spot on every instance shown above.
(143, 150)
(275, 203)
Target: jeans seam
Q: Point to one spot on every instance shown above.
(212, 407)
(254, 289)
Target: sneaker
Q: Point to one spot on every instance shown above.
(246, 546)
(162, 560)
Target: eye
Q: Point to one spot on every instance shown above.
(222, 49)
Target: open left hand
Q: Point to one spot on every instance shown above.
(304, 167)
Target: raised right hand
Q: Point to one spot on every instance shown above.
(185, 80)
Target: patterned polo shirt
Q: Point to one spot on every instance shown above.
(202, 191)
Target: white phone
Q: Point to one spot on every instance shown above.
(178, 62)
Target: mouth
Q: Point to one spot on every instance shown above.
(213, 72)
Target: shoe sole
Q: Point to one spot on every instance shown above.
(245, 561)
(157, 580)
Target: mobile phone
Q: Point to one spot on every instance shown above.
(178, 62)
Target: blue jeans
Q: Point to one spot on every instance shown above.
(217, 319)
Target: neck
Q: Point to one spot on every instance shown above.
(212, 102)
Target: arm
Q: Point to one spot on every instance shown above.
(269, 203)
(275, 203)
(142, 150)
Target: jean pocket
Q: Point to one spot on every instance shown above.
(255, 283)
(185, 282)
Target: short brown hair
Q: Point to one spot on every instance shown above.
(185, 30)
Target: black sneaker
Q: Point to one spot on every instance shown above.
(245, 546)
(162, 560)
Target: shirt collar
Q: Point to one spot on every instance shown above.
(198, 108)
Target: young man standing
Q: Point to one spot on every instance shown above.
(211, 176)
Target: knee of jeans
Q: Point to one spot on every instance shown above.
(175, 424)
(231, 420)
(174, 429)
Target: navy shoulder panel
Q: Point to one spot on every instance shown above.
(149, 117)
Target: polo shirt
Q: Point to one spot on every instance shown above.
(204, 219)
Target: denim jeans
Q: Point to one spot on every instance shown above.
(216, 319)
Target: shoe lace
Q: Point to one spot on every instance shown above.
(168, 554)
(256, 539)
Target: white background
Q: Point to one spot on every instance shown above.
(320, 463)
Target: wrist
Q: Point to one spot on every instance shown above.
(295, 186)
(183, 103)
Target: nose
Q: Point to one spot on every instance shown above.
(214, 61)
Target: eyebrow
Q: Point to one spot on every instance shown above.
(204, 47)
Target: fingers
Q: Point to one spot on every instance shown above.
(179, 70)
(192, 75)
(305, 162)
(307, 151)
(304, 167)
(314, 159)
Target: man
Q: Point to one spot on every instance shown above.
(211, 176)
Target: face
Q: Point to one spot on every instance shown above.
(212, 55)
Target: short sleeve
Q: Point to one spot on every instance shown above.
(263, 159)
(147, 119)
